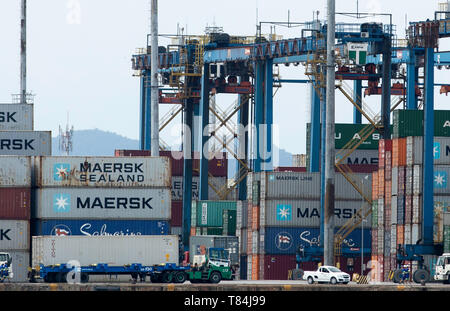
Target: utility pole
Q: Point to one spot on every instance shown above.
(23, 53)
(154, 81)
(330, 134)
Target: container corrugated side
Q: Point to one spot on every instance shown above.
(95, 227)
(357, 157)
(216, 187)
(14, 235)
(15, 172)
(441, 154)
(20, 265)
(102, 203)
(15, 203)
(16, 117)
(114, 250)
(114, 172)
(210, 213)
(25, 143)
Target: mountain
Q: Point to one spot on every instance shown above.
(100, 143)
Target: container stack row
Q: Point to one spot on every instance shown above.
(217, 181)
(283, 214)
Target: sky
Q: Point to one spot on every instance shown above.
(79, 56)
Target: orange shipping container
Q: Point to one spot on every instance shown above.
(193, 231)
(381, 183)
(375, 185)
(255, 217)
(255, 267)
(399, 152)
(388, 191)
(400, 234)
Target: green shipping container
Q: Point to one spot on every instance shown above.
(410, 123)
(210, 213)
(229, 222)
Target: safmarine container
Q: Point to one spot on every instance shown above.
(16, 117)
(20, 264)
(112, 172)
(305, 213)
(114, 250)
(25, 143)
(95, 227)
(14, 234)
(210, 213)
(216, 188)
(198, 245)
(15, 171)
(15, 203)
(102, 203)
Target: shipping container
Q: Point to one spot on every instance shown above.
(210, 213)
(217, 166)
(408, 209)
(299, 160)
(102, 203)
(294, 169)
(416, 213)
(411, 123)
(400, 234)
(243, 267)
(95, 227)
(394, 189)
(216, 188)
(243, 241)
(20, 265)
(176, 214)
(280, 240)
(401, 180)
(409, 180)
(14, 235)
(401, 210)
(16, 117)
(357, 157)
(394, 208)
(112, 172)
(446, 238)
(441, 152)
(25, 143)
(375, 184)
(305, 213)
(114, 250)
(398, 152)
(15, 172)
(15, 203)
(241, 214)
(199, 244)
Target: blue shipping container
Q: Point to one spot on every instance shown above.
(100, 227)
(287, 240)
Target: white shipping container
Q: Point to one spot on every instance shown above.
(25, 143)
(216, 188)
(393, 239)
(112, 172)
(407, 233)
(241, 214)
(380, 212)
(417, 209)
(113, 250)
(15, 171)
(16, 117)
(103, 203)
(249, 266)
(417, 179)
(255, 242)
(394, 210)
(394, 181)
(441, 151)
(409, 180)
(14, 235)
(20, 263)
(416, 233)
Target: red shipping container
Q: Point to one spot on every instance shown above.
(388, 191)
(400, 234)
(375, 185)
(255, 217)
(408, 209)
(381, 183)
(176, 219)
(15, 203)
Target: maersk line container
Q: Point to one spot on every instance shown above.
(198, 245)
(210, 213)
(441, 151)
(112, 172)
(357, 157)
(14, 234)
(15, 171)
(25, 143)
(20, 265)
(15, 203)
(114, 250)
(95, 227)
(305, 213)
(16, 117)
(102, 203)
(216, 187)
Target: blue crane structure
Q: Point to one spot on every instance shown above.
(219, 63)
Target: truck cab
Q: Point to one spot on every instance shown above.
(442, 270)
(211, 267)
(5, 266)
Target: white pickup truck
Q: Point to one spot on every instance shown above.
(442, 270)
(326, 274)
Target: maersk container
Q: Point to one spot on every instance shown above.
(357, 157)
(15, 203)
(14, 234)
(114, 250)
(216, 188)
(113, 172)
(95, 227)
(25, 143)
(16, 117)
(287, 240)
(15, 171)
(305, 213)
(102, 203)
(20, 265)
(441, 151)
(210, 213)
(198, 245)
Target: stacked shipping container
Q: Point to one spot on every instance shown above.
(283, 213)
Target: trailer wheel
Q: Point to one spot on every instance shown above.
(180, 277)
(421, 275)
(215, 277)
(397, 277)
(167, 277)
(155, 278)
(84, 277)
(60, 277)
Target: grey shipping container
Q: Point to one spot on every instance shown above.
(25, 143)
(241, 214)
(306, 213)
(357, 157)
(15, 171)
(414, 150)
(199, 244)
(112, 172)
(102, 203)
(16, 117)
(216, 187)
(14, 235)
(20, 265)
